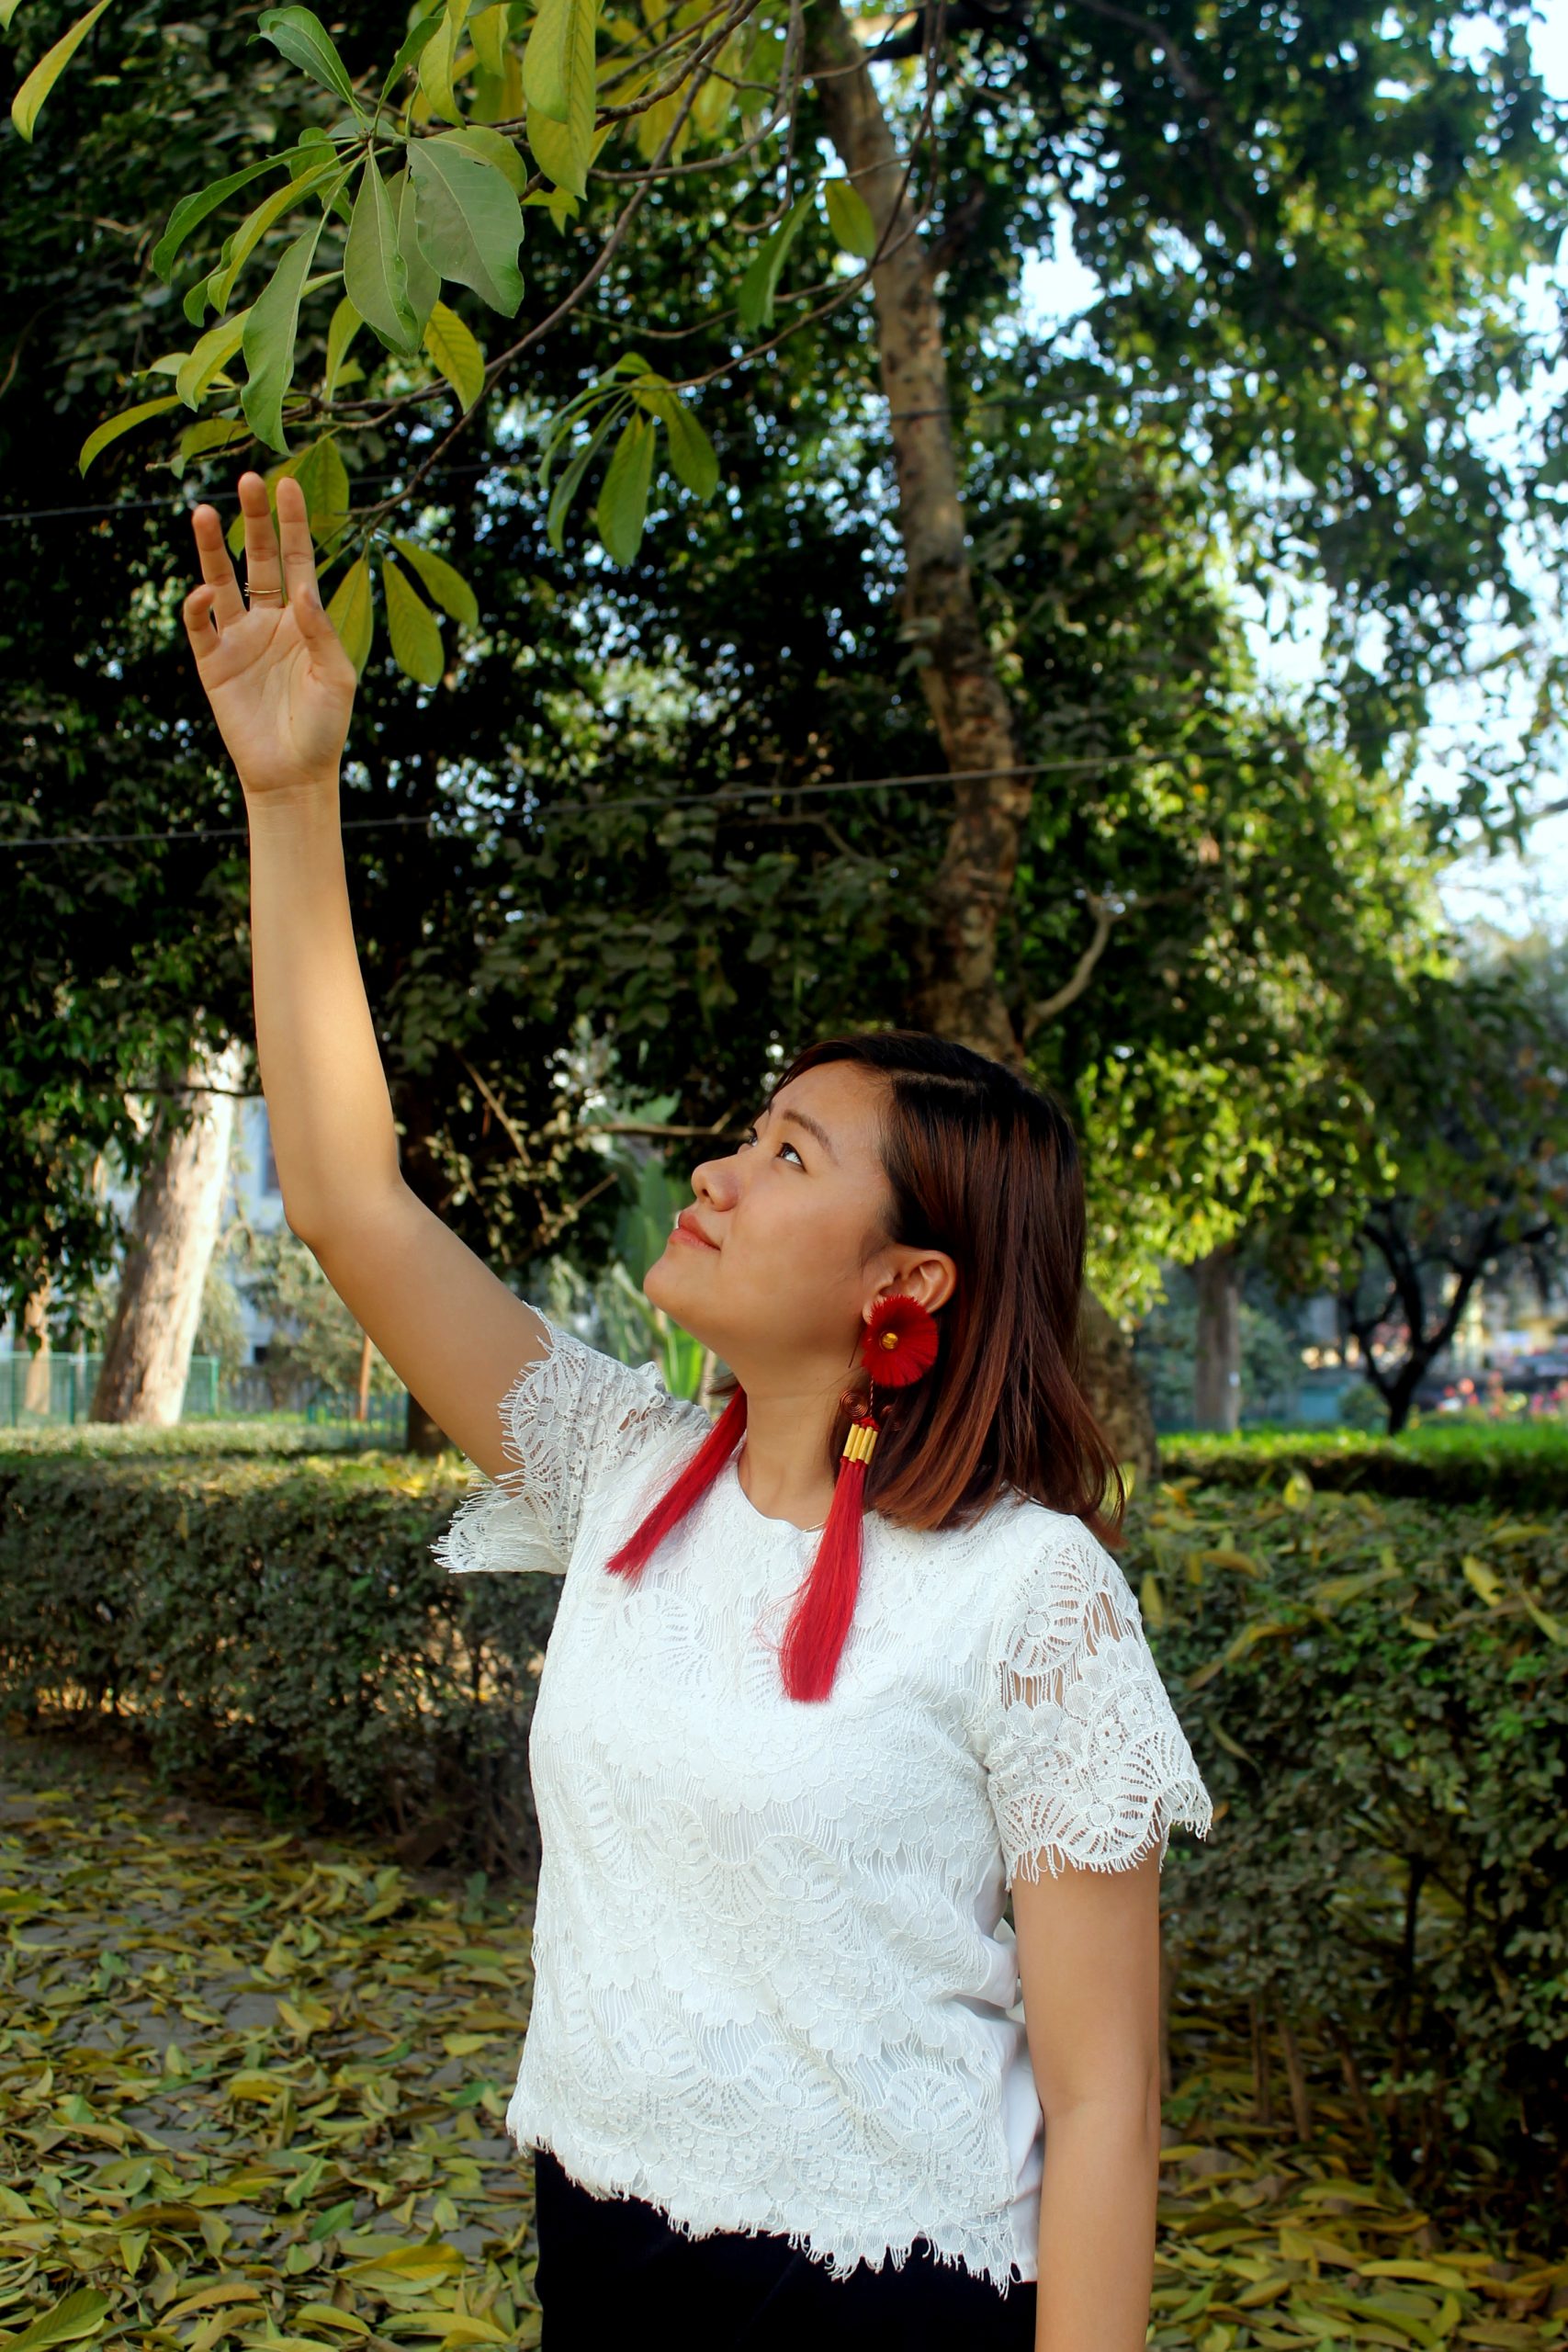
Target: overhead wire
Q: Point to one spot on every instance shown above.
(547, 811)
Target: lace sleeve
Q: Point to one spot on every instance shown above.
(1086, 1760)
(571, 1418)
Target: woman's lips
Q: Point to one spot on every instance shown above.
(684, 1232)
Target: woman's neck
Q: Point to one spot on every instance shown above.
(784, 1466)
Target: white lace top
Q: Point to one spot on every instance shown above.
(774, 1987)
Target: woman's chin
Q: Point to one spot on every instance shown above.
(663, 1287)
(662, 1284)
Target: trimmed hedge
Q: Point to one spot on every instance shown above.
(279, 1629)
(268, 1434)
(1376, 1690)
(1522, 1464)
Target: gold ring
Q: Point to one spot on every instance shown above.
(264, 595)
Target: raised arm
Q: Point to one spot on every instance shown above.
(281, 689)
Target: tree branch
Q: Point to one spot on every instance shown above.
(1105, 915)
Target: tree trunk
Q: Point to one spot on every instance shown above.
(35, 1320)
(173, 1232)
(1216, 1387)
(959, 992)
(361, 1402)
(1115, 1389)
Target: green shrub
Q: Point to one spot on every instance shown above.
(1520, 1463)
(279, 1628)
(1377, 1692)
(279, 1434)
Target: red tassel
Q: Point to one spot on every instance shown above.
(688, 1489)
(819, 1626)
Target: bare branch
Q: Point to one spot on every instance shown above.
(1105, 916)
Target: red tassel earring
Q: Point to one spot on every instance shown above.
(899, 1345)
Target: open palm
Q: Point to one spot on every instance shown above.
(280, 684)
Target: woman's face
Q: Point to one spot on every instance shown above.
(785, 1248)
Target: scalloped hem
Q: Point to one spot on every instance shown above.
(986, 2249)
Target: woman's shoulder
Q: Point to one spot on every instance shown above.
(579, 1390)
(1017, 1529)
(1011, 1555)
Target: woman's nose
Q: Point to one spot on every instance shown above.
(713, 1180)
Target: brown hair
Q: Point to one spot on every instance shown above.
(984, 1168)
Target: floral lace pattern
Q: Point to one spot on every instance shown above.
(1087, 1763)
(775, 1988)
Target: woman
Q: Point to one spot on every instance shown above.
(827, 1679)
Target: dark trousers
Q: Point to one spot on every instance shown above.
(613, 2272)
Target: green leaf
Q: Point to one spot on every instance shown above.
(622, 510)
(691, 454)
(424, 279)
(345, 324)
(436, 62)
(566, 489)
(560, 134)
(102, 434)
(303, 38)
(210, 358)
(192, 210)
(322, 475)
(416, 639)
(349, 613)
(457, 354)
(849, 216)
(487, 30)
(8, 10)
(68, 2322)
(470, 222)
(269, 338)
(256, 225)
(442, 584)
(211, 433)
(375, 277)
(760, 285)
(198, 296)
(491, 147)
(561, 158)
(409, 54)
(558, 60)
(558, 202)
(29, 99)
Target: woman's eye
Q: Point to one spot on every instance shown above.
(750, 1136)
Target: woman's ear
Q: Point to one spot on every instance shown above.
(929, 1276)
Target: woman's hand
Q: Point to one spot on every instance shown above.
(280, 684)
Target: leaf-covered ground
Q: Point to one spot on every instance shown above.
(252, 2089)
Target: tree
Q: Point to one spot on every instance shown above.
(1229, 292)
(174, 1231)
(1472, 1087)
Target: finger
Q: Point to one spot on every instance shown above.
(197, 612)
(261, 567)
(298, 556)
(216, 568)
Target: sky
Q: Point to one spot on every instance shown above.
(1512, 893)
